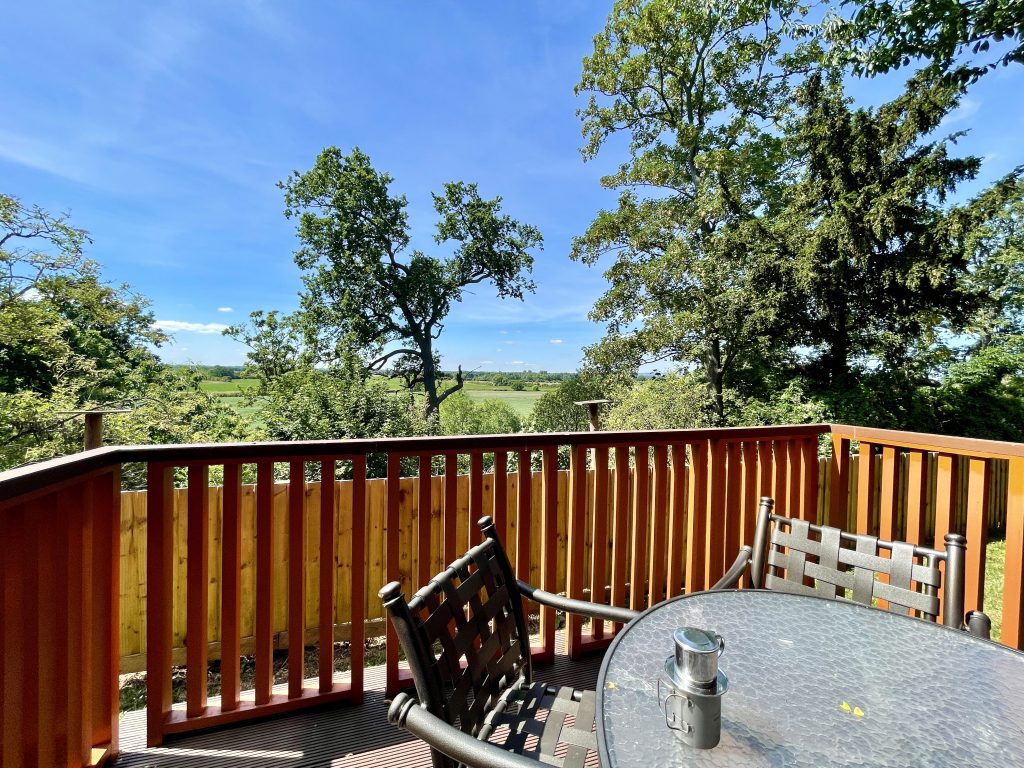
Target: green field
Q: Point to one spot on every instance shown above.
(222, 387)
(521, 402)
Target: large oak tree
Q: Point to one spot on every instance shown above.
(365, 289)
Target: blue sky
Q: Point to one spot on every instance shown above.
(163, 127)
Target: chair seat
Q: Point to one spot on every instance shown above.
(555, 725)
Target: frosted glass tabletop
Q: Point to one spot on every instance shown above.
(815, 682)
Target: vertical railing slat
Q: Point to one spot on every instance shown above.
(659, 525)
(887, 496)
(677, 527)
(714, 565)
(732, 514)
(106, 591)
(159, 573)
(641, 517)
(500, 504)
(577, 516)
(392, 555)
(451, 500)
(697, 520)
(18, 673)
(197, 580)
(794, 496)
(296, 578)
(50, 600)
(524, 516)
(620, 524)
(865, 486)
(978, 478)
(549, 550)
(424, 518)
(264, 640)
(358, 555)
(77, 554)
(327, 567)
(917, 494)
(599, 554)
(809, 491)
(839, 492)
(476, 495)
(231, 588)
(750, 505)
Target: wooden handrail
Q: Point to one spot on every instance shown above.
(46, 475)
(923, 441)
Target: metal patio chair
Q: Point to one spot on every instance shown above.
(800, 558)
(466, 640)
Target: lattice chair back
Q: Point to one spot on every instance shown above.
(798, 557)
(465, 637)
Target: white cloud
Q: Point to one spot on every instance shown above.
(556, 341)
(172, 326)
(502, 332)
(966, 110)
(486, 362)
(225, 309)
(518, 362)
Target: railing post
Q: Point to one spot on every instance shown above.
(839, 491)
(577, 515)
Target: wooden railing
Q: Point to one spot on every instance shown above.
(654, 514)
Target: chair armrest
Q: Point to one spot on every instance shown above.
(406, 713)
(735, 570)
(581, 607)
(978, 624)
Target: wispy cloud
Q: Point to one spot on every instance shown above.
(173, 326)
(486, 362)
(966, 110)
(225, 309)
(556, 341)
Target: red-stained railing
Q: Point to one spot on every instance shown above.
(58, 636)
(636, 517)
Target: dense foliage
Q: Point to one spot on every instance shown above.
(365, 291)
(69, 341)
(795, 254)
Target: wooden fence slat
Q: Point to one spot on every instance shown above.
(809, 491)
(865, 486)
(524, 515)
(732, 513)
(19, 672)
(750, 503)
(327, 570)
(500, 504)
(840, 482)
(76, 554)
(103, 510)
(50, 635)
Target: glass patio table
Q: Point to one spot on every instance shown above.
(816, 682)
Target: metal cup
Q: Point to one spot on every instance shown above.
(696, 656)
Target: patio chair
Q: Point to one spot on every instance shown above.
(800, 558)
(466, 640)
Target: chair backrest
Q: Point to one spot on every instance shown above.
(798, 557)
(464, 635)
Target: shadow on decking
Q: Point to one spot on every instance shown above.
(331, 738)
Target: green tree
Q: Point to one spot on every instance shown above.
(882, 35)
(700, 90)
(461, 416)
(556, 411)
(366, 290)
(69, 341)
(877, 265)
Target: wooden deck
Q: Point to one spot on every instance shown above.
(332, 738)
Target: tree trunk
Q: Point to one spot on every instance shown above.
(716, 380)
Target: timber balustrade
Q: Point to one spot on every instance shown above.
(226, 567)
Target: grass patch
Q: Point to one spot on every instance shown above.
(995, 560)
(521, 402)
(223, 387)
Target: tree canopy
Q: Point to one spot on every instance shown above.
(366, 290)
